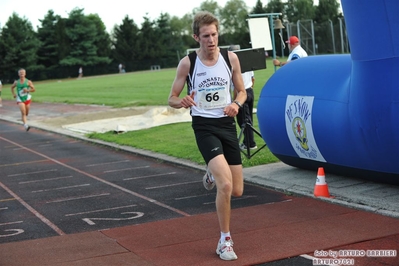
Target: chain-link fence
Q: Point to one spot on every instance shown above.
(316, 39)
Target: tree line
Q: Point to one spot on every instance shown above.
(60, 46)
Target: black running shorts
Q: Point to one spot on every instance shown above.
(217, 136)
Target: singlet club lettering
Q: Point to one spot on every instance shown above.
(212, 94)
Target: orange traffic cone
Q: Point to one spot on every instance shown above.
(321, 188)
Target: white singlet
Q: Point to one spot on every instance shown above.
(212, 88)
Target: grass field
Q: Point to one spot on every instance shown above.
(144, 88)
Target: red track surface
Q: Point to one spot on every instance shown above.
(262, 234)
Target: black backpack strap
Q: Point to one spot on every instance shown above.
(192, 56)
(225, 55)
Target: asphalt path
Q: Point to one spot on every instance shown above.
(54, 185)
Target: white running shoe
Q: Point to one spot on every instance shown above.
(225, 249)
(208, 181)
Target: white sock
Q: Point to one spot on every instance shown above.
(224, 235)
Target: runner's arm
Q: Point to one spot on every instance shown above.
(31, 87)
(178, 85)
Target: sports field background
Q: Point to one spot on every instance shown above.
(144, 88)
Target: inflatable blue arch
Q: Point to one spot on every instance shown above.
(341, 112)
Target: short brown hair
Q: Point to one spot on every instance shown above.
(204, 18)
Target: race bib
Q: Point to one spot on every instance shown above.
(23, 96)
(21, 93)
(213, 97)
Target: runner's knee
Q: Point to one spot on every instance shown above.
(225, 188)
(237, 192)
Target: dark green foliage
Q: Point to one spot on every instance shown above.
(19, 45)
(54, 45)
(62, 45)
(299, 9)
(327, 10)
(83, 35)
(258, 9)
(125, 44)
(275, 6)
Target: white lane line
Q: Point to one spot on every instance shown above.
(60, 188)
(9, 199)
(99, 164)
(101, 210)
(145, 176)
(38, 172)
(172, 185)
(233, 199)
(32, 210)
(126, 169)
(191, 197)
(102, 180)
(78, 198)
(205, 195)
(14, 164)
(45, 145)
(44, 180)
(17, 222)
(246, 197)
